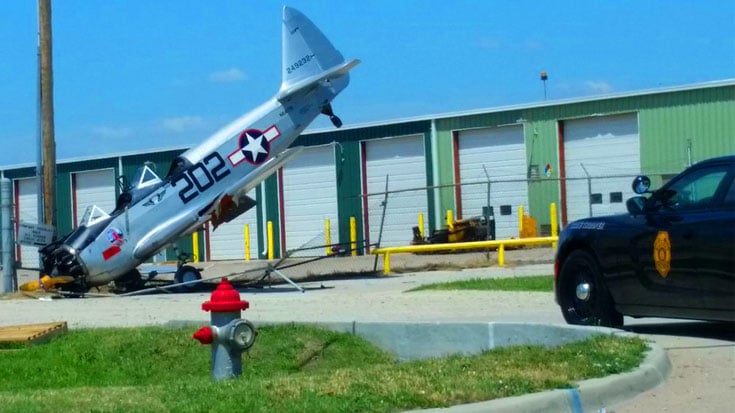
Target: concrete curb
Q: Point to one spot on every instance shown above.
(427, 340)
(590, 395)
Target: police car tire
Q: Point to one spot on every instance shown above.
(600, 310)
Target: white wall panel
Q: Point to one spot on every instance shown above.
(310, 197)
(502, 152)
(93, 188)
(402, 159)
(609, 149)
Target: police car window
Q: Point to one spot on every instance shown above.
(696, 190)
(729, 201)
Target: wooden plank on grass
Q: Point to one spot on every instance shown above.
(31, 333)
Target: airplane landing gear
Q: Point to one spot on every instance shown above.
(327, 110)
(186, 273)
(129, 282)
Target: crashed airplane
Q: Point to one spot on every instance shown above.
(208, 181)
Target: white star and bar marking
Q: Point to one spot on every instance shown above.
(254, 147)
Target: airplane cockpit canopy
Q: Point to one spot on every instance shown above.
(143, 183)
(93, 215)
(146, 176)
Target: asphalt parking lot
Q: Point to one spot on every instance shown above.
(702, 354)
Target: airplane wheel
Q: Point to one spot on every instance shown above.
(130, 281)
(185, 274)
(583, 296)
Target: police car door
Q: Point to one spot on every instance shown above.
(686, 259)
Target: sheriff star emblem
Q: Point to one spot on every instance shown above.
(662, 253)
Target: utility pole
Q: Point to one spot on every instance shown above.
(48, 191)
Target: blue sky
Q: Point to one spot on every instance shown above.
(133, 75)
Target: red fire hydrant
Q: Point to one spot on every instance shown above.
(229, 335)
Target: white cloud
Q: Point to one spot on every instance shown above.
(596, 86)
(227, 76)
(182, 123)
(111, 132)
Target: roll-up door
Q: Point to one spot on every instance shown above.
(26, 209)
(402, 159)
(93, 188)
(601, 157)
(227, 242)
(310, 197)
(501, 153)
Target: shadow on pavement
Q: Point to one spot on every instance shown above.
(699, 329)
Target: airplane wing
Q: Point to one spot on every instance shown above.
(234, 202)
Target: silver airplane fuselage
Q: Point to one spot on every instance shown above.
(208, 180)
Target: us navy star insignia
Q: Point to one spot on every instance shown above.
(257, 148)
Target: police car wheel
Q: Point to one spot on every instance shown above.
(583, 296)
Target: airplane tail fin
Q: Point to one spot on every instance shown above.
(309, 57)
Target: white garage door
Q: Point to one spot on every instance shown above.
(227, 242)
(93, 188)
(310, 197)
(403, 160)
(608, 148)
(26, 198)
(502, 152)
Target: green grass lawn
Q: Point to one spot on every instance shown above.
(289, 369)
(541, 283)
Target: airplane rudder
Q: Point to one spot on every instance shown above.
(306, 50)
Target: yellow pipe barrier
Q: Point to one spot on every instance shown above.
(450, 220)
(520, 221)
(554, 224)
(421, 224)
(327, 237)
(500, 244)
(246, 235)
(195, 245)
(271, 253)
(353, 236)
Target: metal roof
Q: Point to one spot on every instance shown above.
(533, 105)
(445, 115)
(98, 157)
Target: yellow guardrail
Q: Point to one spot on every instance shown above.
(499, 244)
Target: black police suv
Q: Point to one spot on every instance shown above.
(672, 254)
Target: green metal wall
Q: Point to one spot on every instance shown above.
(674, 127)
(669, 123)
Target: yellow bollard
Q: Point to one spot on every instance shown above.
(353, 236)
(554, 227)
(421, 224)
(327, 237)
(450, 220)
(520, 221)
(386, 263)
(501, 255)
(195, 245)
(246, 236)
(271, 253)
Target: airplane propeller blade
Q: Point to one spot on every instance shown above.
(46, 282)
